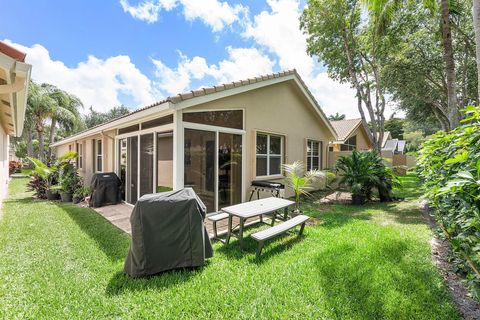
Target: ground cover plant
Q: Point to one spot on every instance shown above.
(449, 164)
(61, 261)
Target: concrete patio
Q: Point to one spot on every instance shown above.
(119, 216)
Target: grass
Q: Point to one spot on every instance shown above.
(369, 262)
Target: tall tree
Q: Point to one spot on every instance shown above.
(476, 25)
(383, 10)
(65, 112)
(351, 51)
(336, 117)
(95, 118)
(40, 106)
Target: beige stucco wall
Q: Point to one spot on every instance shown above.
(4, 145)
(280, 109)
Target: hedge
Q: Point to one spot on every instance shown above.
(449, 165)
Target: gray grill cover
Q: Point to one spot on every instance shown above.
(106, 189)
(168, 232)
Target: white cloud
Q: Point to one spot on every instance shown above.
(147, 10)
(215, 14)
(97, 82)
(242, 63)
(279, 31)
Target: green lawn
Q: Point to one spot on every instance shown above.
(370, 262)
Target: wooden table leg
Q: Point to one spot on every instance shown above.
(285, 214)
(240, 232)
(229, 232)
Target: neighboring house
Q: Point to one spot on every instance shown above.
(215, 140)
(14, 79)
(392, 146)
(351, 135)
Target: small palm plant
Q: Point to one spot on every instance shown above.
(302, 181)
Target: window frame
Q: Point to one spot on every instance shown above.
(268, 154)
(79, 155)
(347, 146)
(98, 154)
(312, 156)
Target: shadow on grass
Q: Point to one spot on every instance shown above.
(122, 283)
(380, 282)
(113, 242)
(276, 246)
(337, 215)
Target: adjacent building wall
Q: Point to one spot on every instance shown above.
(4, 150)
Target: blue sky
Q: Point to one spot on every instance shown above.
(133, 52)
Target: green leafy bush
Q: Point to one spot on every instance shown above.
(449, 165)
(363, 172)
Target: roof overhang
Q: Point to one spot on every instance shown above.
(14, 80)
(124, 121)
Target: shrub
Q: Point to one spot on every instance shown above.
(302, 181)
(449, 165)
(363, 172)
(38, 185)
(46, 177)
(69, 179)
(14, 166)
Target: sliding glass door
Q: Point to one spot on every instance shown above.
(213, 167)
(199, 161)
(229, 169)
(146, 164)
(132, 169)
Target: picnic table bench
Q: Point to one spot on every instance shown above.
(255, 208)
(269, 233)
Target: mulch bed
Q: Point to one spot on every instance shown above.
(468, 307)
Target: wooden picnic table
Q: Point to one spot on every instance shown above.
(251, 209)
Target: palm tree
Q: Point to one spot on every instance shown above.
(382, 12)
(65, 112)
(336, 117)
(39, 108)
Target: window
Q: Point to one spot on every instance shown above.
(157, 122)
(228, 118)
(98, 156)
(129, 129)
(79, 155)
(269, 154)
(314, 155)
(350, 144)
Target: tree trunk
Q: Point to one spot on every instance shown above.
(476, 26)
(29, 142)
(51, 139)
(453, 114)
(41, 143)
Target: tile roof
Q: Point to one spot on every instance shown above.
(345, 127)
(210, 90)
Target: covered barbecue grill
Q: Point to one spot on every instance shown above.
(168, 232)
(271, 186)
(106, 189)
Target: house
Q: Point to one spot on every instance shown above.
(392, 146)
(14, 79)
(351, 134)
(215, 140)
